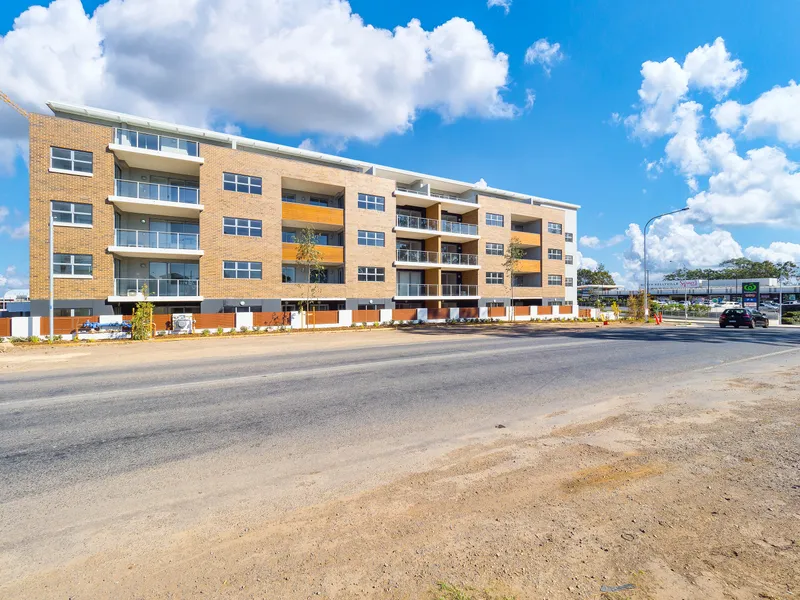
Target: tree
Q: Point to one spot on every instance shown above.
(310, 257)
(738, 268)
(598, 276)
(514, 253)
(142, 318)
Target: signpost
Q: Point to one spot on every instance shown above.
(750, 294)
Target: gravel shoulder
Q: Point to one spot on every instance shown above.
(690, 491)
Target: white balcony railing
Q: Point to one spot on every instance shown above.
(131, 238)
(157, 288)
(412, 290)
(417, 256)
(152, 141)
(455, 258)
(459, 228)
(417, 223)
(156, 191)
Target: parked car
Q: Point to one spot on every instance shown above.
(742, 317)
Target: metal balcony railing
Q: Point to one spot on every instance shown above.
(157, 288)
(417, 256)
(156, 191)
(417, 223)
(429, 289)
(132, 238)
(455, 258)
(459, 290)
(152, 141)
(459, 228)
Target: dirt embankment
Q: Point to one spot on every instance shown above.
(673, 502)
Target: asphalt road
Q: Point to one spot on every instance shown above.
(65, 427)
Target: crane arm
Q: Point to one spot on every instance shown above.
(4, 97)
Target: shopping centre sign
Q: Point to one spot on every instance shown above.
(674, 285)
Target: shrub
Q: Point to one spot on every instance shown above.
(142, 319)
(205, 333)
(220, 331)
(243, 329)
(34, 339)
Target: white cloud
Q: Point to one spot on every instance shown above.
(307, 144)
(481, 183)
(504, 4)
(545, 54)
(10, 280)
(591, 241)
(584, 262)
(775, 252)
(292, 66)
(728, 115)
(672, 241)
(18, 232)
(774, 113)
(711, 67)
(530, 99)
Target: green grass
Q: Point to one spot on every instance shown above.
(448, 591)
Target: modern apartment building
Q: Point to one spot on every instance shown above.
(207, 222)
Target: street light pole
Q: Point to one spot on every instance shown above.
(646, 276)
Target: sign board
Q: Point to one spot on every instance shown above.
(674, 285)
(750, 294)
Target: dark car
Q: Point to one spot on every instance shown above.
(746, 317)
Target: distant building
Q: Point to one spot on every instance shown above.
(15, 303)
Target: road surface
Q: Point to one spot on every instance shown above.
(89, 455)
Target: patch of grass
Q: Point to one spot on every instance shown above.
(448, 591)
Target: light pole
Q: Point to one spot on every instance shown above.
(646, 276)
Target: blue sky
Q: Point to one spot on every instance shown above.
(587, 139)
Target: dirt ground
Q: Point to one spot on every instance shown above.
(687, 494)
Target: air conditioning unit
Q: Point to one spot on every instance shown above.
(182, 323)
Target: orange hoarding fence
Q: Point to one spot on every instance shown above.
(404, 314)
(323, 317)
(497, 311)
(366, 316)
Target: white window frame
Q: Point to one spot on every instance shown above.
(247, 224)
(370, 202)
(495, 278)
(71, 212)
(495, 247)
(72, 162)
(70, 262)
(555, 280)
(569, 259)
(372, 274)
(371, 238)
(568, 237)
(239, 271)
(495, 220)
(247, 183)
(555, 228)
(555, 254)
(569, 282)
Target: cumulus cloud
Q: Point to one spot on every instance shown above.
(9, 279)
(481, 183)
(585, 262)
(292, 66)
(544, 53)
(591, 241)
(775, 113)
(710, 67)
(18, 232)
(775, 252)
(504, 4)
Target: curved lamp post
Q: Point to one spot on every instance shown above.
(646, 276)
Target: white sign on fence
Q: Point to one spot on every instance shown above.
(674, 285)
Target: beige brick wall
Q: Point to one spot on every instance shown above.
(45, 187)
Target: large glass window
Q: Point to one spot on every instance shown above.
(371, 274)
(556, 228)
(288, 275)
(495, 277)
(241, 270)
(495, 220)
(72, 312)
(554, 254)
(554, 280)
(72, 264)
(371, 238)
(494, 249)
(241, 183)
(177, 270)
(371, 202)
(70, 160)
(244, 227)
(71, 213)
(568, 237)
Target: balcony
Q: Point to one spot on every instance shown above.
(525, 265)
(156, 199)
(448, 260)
(165, 290)
(329, 255)
(156, 152)
(155, 244)
(427, 291)
(420, 198)
(421, 228)
(321, 217)
(526, 239)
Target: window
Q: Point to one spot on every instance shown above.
(72, 312)
(75, 161)
(495, 277)
(289, 198)
(554, 228)
(568, 282)
(288, 275)
(319, 276)
(232, 269)
(371, 306)
(568, 260)
(371, 238)
(241, 183)
(371, 202)
(494, 249)
(371, 274)
(245, 227)
(71, 213)
(72, 265)
(568, 237)
(554, 254)
(495, 220)
(554, 280)
(318, 201)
